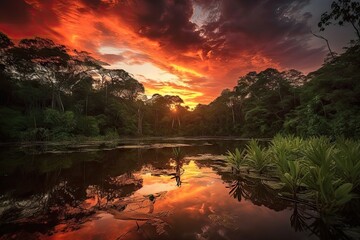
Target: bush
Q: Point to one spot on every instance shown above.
(12, 122)
(35, 134)
(257, 157)
(327, 173)
(59, 123)
(87, 126)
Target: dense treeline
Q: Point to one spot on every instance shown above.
(325, 102)
(49, 92)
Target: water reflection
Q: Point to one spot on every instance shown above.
(299, 218)
(139, 193)
(178, 171)
(330, 227)
(238, 189)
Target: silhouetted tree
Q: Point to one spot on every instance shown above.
(342, 11)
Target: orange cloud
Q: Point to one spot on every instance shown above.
(192, 61)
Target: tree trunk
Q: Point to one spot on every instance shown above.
(106, 93)
(86, 105)
(60, 102)
(140, 118)
(156, 121)
(233, 115)
(53, 98)
(35, 125)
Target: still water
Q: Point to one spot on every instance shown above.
(137, 190)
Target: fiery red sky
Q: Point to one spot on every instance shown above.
(190, 48)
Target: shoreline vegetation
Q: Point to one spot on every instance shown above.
(317, 172)
(96, 144)
(125, 139)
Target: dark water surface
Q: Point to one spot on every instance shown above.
(138, 191)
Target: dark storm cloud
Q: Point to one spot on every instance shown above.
(93, 3)
(14, 12)
(277, 29)
(30, 18)
(165, 21)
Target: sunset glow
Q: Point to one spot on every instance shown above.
(190, 48)
(173, 108)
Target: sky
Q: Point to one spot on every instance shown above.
(190, 48)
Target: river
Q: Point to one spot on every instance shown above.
(138, 190)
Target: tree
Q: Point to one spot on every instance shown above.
(140, 104)
(164, 111)
(342, 11)
(38, 73)
(5, 41)
(40, 59)
(120, 83)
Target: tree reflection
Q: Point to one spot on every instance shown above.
(178, 172)
(50, 191)
(112, 189)
(298, 219)
(238, 189)
(250, 188)
(303, 218)
(325, 227)
(178, 155)
(65, 189)
(151, 203)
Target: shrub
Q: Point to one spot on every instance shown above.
(236, 159)
(257, 157)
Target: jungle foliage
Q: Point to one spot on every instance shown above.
(49, 92)
(316, 171)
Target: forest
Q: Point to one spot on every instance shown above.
(49, 92)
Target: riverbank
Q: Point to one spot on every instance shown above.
(96, 144)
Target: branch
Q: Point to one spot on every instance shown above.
(327, 43)
(356, 29)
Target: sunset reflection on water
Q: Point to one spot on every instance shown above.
(146, 194)
(198, 209)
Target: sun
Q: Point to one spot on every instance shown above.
(173, 108)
